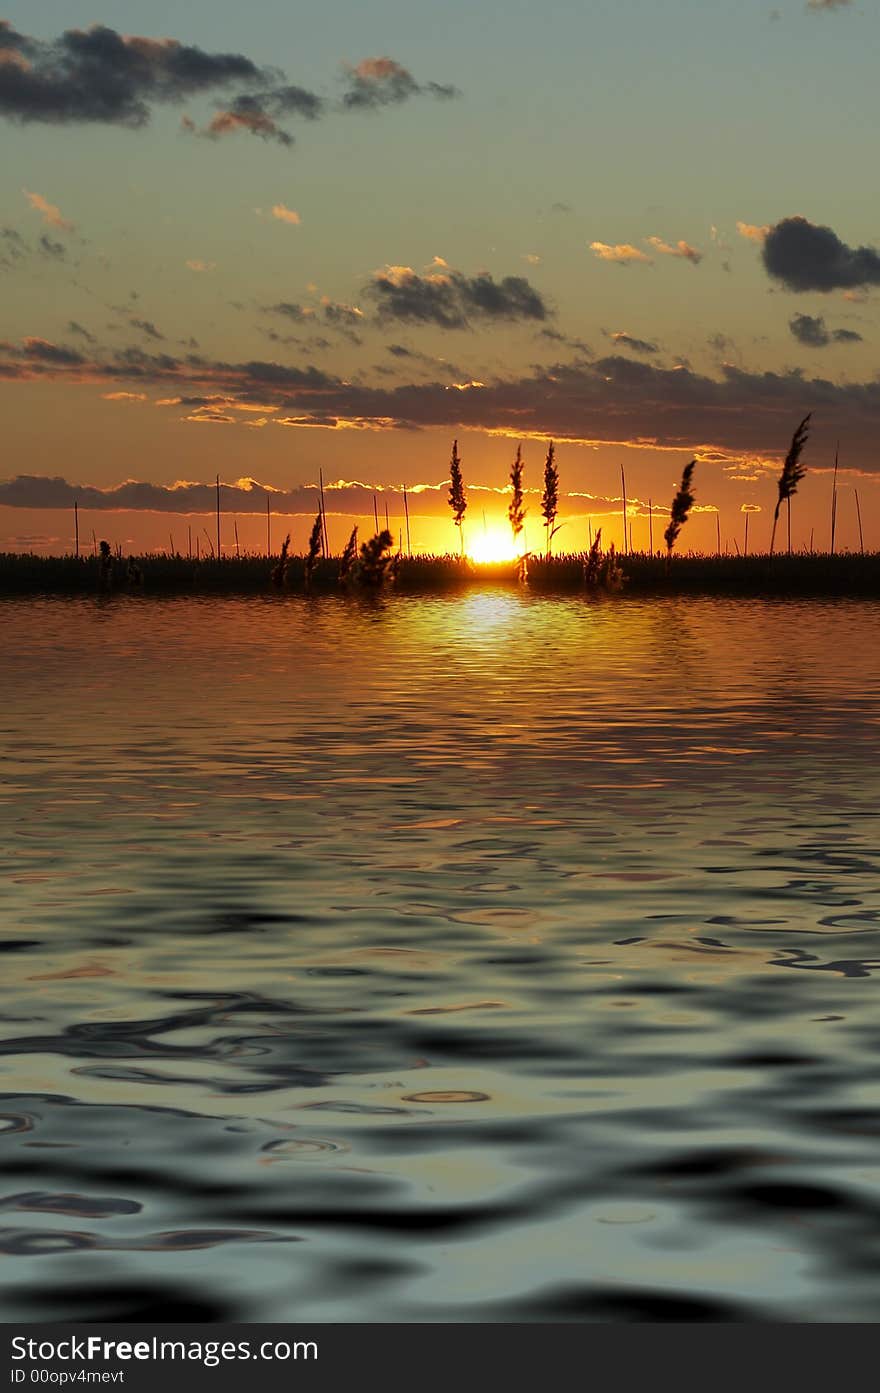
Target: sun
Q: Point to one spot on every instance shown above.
(492, 545)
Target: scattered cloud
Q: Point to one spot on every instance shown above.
(254, 122)
(805, 256)
(681, 249)
(624, 340)
(378, 82)
(813, 333)
(147, 327)
(285, 214)
(578, 345)
(100, 76)
(623, 253)
(51, 214)
(752, 232)
(450, 299)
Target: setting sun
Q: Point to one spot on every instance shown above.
(492, 545)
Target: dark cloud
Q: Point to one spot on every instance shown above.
(613, 399)
(813, 332)
(56, 251)
(451, 299)
(634, 345)
(74, 328)
(554, 336)
(44, 352)
(99, 75)
(344, 318)
(804, 256)
(424, 360)
(147, 327)
(102, 76)
(378, 82)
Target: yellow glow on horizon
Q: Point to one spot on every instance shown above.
(492, 544)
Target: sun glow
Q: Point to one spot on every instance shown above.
(491, 545)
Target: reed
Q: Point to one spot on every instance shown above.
(279, 570)
(316, 542)
(680, 510)
(348, 557)
(792, 472)
(516, 511)
(457, 495)
(550, 498)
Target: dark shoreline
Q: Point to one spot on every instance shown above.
(845, 575)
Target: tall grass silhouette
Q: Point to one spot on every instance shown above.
(457, 494)
(550, 498)
(792, 472)
(680, 510)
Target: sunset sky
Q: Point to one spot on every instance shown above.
(270, 239)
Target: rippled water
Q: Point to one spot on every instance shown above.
(478, 958)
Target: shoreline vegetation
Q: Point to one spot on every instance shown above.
(592, 574)
(374, 566)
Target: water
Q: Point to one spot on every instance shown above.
(475, 958)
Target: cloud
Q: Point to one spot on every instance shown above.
(681, 249)
(450, 299)
(51, 214)
(147, 327)
(622, 253)
(752, 232)
(804, 256)
(285, 214)
(613, 399)
(817, 6)
(74, 328)
(554, 336)
(43, 351)
(56, 250)
(98, 75)
(378, 82)
(345, 316)
(253, 122)
(300, 314)
(812, 332)
(124, 396)
(636, 345)
(201, 266)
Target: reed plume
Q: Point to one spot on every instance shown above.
(315, 543)
(681, 507)
(593, 563)
(279, 570)
(457, 495)
(516, 512)
(550, 498)
(792, 472)
(349, 556)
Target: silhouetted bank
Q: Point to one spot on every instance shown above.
(844, 574)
